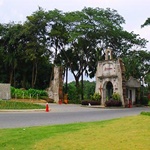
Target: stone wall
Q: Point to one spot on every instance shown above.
(5, 92)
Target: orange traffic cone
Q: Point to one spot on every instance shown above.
(47, 107)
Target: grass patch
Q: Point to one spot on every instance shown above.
(145, 113)
(127, 133)
(8, 104)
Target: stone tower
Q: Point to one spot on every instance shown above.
(110, 78)
(55, 90)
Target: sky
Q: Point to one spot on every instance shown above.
(135, 12)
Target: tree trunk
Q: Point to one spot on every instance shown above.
(23, 81)
(11, 76)
(78, 90)
(66, 89)
(32, 84)
(34, 74)
(82, 94)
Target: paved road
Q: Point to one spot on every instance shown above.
(62, 114)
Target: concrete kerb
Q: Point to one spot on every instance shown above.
(58, 108)
(21, 110)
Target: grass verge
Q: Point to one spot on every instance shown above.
(127, 133)
(145, 113)
(8, 104)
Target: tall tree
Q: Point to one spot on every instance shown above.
(57, 35)
(10, 41)
(35, 32)
(147, 80)
(91, 31)
(137, 64)
(147, 76)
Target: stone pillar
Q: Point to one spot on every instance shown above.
(55, 90)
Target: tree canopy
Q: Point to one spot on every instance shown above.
(75, 40)
(147, 72)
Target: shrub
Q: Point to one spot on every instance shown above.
(144, 101)
(34, 93)
(149, 103)
(145, 113)
(114, 101)
(116, 96)
(111, 103)
(31, 93)
(12, 92)
(96, 97)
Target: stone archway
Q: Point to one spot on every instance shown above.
(109, 90)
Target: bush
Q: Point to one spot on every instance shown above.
(31, 93)
(96, 100)
(116, 96)
(34, 93)
(144, 101)
(96, 97)
(149, 103)
(86, 102)
(145, 113)
(111, 103)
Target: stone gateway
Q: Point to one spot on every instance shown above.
(110, 78)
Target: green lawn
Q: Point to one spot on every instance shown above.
(8, 104)
(129, 133)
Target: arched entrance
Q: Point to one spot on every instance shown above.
(109, 90)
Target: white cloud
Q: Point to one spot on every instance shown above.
(1, 2)
(144, 33)
(135, 12)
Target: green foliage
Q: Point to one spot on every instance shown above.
(116, 96)
(146, 23)
(31, 93)
(148, 102)
(27, 50)
(96, 97)
(147, 80)
(137, 64)
(88, 89)
(145, 113)
(115, 101)
(35, 92)
(74, 94)
(12, 92)
(144, 101)
(18, 105)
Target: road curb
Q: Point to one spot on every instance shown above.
(21, 110)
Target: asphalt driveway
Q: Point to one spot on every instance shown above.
(63, 114)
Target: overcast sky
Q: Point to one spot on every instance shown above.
(135, 12)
